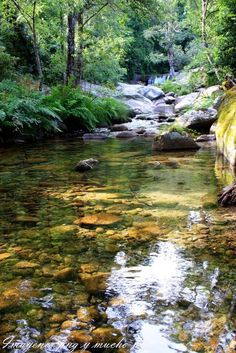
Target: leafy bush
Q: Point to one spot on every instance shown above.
(81, 110)
(172, 86)
(25, 111)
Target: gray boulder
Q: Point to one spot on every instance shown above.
(165, 110)
(151, 92)
(186, 101)
(95, 136)
(86, 164)
(169, 100)
(126, 134)
(171, 141)
(199, 120)
(119, 127)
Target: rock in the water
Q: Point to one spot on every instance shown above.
(65, 274)
(206, 138)
(119, 127)
(5, 256)
(95, 136)
(126, 134)
(186, 101)
(170, 141)
(199, 120)
(106, 335)
(228, 197)
(99, 219)
(165, 110)
(26, 264)
(151, 92)
(95, 282)
(86, 164)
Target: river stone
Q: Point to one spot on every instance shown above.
(170, 141)
(199, 120)
(127, 134)
(80, 337)
(119, 127)
(96, 282)
(65, 274)
(95, 136)
(106, 335)
(88, 314)
(86, 164)
(26, 265)
(5, 256)
(151, 92)
(101, 219)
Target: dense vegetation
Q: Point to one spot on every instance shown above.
(55, 44)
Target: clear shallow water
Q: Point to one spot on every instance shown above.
(163, 276)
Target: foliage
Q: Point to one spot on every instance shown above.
(82, 111)
(179, 89)
(23, 110)
(176, 127)
(7, 64)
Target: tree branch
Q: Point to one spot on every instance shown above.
(96, 13)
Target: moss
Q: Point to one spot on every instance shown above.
(226, 126)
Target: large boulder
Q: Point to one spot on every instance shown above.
(131, 96)
(151, 92)
(164, 110)
(186, 101)
(170, 141)
(199, 120)
(126, 134)
(226, 126)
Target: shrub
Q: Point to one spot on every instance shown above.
(7, 64)
(82, 110)
(25, 111)
(172, 86)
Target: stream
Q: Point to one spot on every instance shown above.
(161, 278)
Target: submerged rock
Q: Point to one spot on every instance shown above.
(228, 197)
(86, 164)
(99, 219)
(171, 141)
(65, 274)
(96, 282)
(5, 256)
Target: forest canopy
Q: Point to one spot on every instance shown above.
(108, 41)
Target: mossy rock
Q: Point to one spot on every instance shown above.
(226, 126)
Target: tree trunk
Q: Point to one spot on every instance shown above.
(79, 56)
(171, 63)
(37, 58)
(70, 71)
(210, 59)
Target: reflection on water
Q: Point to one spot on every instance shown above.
(163, 275)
